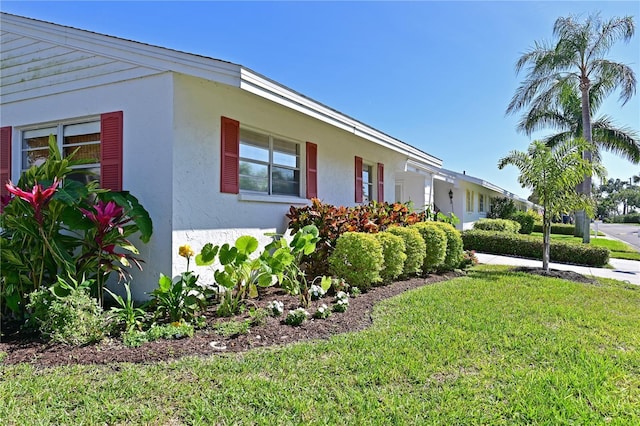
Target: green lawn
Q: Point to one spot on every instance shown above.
(619, 249)
(494, 347)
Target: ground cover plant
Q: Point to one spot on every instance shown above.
(494, 347)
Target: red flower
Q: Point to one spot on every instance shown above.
(38, 197)
(105, 216)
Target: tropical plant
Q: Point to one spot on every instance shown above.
(576, 59)
(55, 225)
(553, 174)
(125, 312)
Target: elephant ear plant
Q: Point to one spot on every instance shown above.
(56, 226)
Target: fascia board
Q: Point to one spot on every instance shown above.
(268, 89)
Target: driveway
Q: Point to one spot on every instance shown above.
(629, 233)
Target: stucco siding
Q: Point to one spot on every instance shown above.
(202, 214)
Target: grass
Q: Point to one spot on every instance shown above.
(619, 249)
(494, 347)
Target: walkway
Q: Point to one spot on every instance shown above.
(623, 270)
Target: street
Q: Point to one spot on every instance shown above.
(627, 232)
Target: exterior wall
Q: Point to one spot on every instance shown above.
(147, 138)
(472, 212)
(202, 214)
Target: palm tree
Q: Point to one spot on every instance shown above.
(552, 174)
(565, 115)
(578, 58)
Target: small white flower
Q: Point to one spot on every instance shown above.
(276, 307)
(342, 296)
(316, 291)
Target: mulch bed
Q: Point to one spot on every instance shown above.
(21, 348)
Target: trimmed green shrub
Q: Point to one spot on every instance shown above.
(531, 247)
(358, 259)
(415, 248)
(497, 225)
(393, 251)
(526, 220)
(556, 228)
(455, 251)
(436, 245)
(75, 319)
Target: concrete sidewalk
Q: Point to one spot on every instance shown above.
(623, 270)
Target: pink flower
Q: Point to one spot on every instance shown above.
(38, 198)
(105, 216)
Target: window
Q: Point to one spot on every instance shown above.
(81, 138)
(367, 183)
(97, 141)
(268, 164)
(481, 203)
(470, 201)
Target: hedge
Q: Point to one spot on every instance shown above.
(531, 247)
(415, 248)
(436, 242)
(393, 251)
(455, 251)
(357, 258)
(497, 225)
(556, 228)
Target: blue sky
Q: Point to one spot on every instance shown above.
(437, 75)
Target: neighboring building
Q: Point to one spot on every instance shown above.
(213, 150)
(470, 198)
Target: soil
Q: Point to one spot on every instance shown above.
(21, 348)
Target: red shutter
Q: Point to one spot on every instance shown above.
(380, 182)
(229, 156)
(5, 158)
(111, 126)
(358, 179)
(312, 170)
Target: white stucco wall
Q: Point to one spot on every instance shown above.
(147, 171)
(202, 214)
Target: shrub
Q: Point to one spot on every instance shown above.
(455, 250)
(497, 225)
(358, 259)
(501, 208)
(627, 218)
(296, 317)
(531, 247)
(436, 245)
(393, 251)
(526, 220)
(556, 228)
(74, 318)
(332, 221)
(415, 248)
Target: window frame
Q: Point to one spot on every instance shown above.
(470, 201)
(368, 186)
(59, 127)
(481, 203)
(297, 170)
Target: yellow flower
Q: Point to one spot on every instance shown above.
(186, 251)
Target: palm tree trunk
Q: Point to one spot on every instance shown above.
(582, 221)
(546, 240)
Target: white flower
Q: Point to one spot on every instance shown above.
(342, 296)
(316, 291)
(275, 307)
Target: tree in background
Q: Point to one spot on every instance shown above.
(615, 194)
(553, 174)
(576, 58)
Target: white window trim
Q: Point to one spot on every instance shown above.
(257, 195)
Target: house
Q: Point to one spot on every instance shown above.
(213, 150)
(470, 198)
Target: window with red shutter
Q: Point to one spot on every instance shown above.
(380, 182)
(358, 182)
(5, 158)
(312, 170)
(229, 156)
(111, 128)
